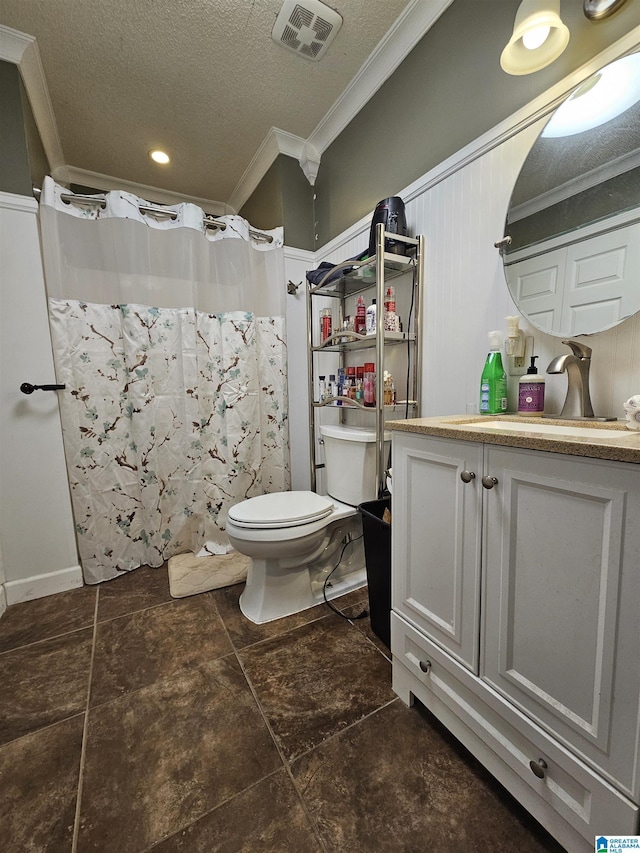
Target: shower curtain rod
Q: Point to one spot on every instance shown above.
(208, 221)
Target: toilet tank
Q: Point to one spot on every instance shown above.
(350, 463)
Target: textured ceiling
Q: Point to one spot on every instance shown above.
(201, 79)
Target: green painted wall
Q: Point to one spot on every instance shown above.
(447, 92)
(15, 175)
(283, 197)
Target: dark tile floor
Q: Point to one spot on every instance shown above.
(133, 722)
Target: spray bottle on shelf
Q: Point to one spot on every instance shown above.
(360, 326)
(493, 384)
(531, 391)
(325, 324)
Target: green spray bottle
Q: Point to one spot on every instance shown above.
(493, 384)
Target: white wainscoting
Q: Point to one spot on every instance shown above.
(36, 525)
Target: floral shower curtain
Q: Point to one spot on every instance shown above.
(170, 341)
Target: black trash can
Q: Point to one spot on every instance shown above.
(377, 553)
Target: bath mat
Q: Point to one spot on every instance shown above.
(189, 574)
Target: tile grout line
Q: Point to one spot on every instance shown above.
(285, 762)
(45, 639)
(85, 730)
(312, 822)
(222, 803)
(352, 725)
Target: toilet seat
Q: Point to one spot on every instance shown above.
(280, 510)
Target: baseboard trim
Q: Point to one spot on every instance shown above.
(3, 600)
(38, 586)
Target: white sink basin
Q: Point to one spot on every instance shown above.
(549, 429)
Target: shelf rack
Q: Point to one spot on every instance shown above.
(350, 278)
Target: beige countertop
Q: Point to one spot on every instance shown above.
(606, 439)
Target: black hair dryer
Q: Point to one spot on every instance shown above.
(389, 211)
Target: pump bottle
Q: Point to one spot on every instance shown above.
(493, 384)
(531, 391)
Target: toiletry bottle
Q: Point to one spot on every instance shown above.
(340, 389)
(351, 383)
(391, 320)
(360, 384)
(325, 324)
(369, 384)
(493, 384)
(332, 389)
(322, 388)
(360, 326)
(531, 391)
(389, 389)
(371, 318)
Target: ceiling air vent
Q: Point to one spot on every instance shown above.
(307, 28)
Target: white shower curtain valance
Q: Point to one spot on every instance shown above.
(117, 254)
(171, 343)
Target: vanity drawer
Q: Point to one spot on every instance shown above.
(566, 796)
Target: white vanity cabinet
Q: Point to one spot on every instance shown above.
(516, 620)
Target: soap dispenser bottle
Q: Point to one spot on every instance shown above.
(531, 391)
(493, 384)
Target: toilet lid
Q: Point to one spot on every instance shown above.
(281, 509)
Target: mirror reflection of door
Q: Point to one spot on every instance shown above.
(573, 265)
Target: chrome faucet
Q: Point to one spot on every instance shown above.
(575, 364)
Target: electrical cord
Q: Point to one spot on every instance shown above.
(413, 291)
(361, 615)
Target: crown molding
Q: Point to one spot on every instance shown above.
(410, 26)
(276, 142)
(22, 50)
(159, 196)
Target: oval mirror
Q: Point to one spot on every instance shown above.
(573, 261)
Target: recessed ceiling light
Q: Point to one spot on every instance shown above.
(159, 156)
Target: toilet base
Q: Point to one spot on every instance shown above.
(273, 592)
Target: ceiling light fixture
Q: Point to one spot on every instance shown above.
(539, 37)
(597, 10)
(605, 95)
(159, 156)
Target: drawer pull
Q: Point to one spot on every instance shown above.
(489, 482)
(467, 476)
(539, 767)
(425, 665)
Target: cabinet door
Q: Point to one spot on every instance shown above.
(435, 538)
(560, 606)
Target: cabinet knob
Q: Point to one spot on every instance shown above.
(467, 476)
(539, 767)
(489, 482)
(425, 665)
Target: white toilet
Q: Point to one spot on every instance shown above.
(295, 539)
